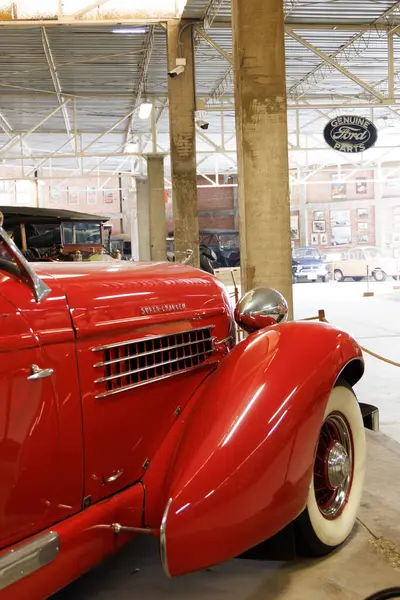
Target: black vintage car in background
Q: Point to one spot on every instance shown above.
(207, 256)
(225, 245)
(55, 234)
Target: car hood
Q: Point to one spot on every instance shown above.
(119, 295)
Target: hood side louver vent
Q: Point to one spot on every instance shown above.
(138, 362)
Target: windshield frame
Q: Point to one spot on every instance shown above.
(27, 274)
(81, 244)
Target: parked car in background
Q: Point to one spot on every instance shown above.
(308, 264)
(128, 409)
(224, 244)
(120, 244)
(55, 234)
(207, 256)
(354, 264)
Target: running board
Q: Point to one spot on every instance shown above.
(28, 557)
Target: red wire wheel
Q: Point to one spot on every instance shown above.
(337, 477)
(333, 467)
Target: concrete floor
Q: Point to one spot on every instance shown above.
(368, 562)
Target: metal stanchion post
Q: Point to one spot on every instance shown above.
(235, 287)
(397, 286)
(368, 294)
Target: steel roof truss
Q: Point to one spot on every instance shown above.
(355, 46)
(143, 70)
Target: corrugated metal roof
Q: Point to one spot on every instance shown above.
(102, 70)
(115, 71)
(195, 9)
(308, 11)
(336, 11)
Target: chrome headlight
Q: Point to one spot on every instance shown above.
(259, 308)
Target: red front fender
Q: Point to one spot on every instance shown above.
(242, 469)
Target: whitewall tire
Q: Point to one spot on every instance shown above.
(338, 275)
(379, 275)
(338, 477)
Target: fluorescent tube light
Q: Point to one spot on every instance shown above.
(130, 30)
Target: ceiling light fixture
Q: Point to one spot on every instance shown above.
(130, 30)
(131, 148)
(145, 110)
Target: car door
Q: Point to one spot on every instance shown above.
(28, 430)
(40, 470)
(353, 264)
(362, 264)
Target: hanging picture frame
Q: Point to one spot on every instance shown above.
(319, 226)
(73, 195)
(361, 186)
(362, 213)
(339, 189)
(323, 239)
(91, 195)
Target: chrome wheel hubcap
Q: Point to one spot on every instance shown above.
(338, 464)
(333, 469)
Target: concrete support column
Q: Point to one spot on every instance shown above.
(182, 106)
(143, 218)
(158, 226)
(262, 143)
(131, 217)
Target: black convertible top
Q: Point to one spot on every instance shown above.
(13, 215)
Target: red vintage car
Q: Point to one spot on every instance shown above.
(127, 409)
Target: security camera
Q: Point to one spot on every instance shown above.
(177, 71)
(179, 68)
(203, 124)
(200, 117)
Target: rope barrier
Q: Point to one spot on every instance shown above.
(321, 317)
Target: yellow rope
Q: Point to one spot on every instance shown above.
(321, 317)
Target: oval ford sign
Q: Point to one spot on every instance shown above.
(350, 134)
